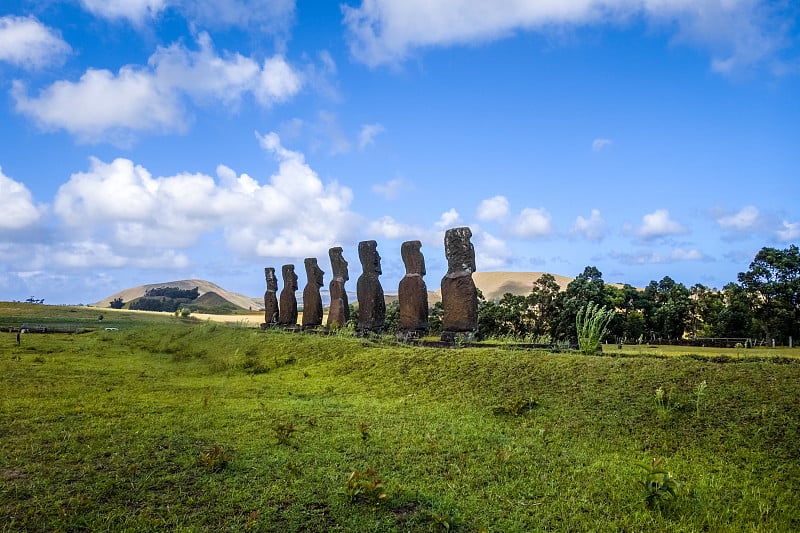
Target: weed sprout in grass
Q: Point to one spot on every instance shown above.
(215, 459)
(366, 487)
(699, 394)
(658, 486)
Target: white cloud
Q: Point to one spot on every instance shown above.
(27, 43)
(17, 209)
(127, 213)
(599, 144)
(388, 228)
(265, 15)
(738, 33)
(490, 252)
(391, 188)
(104, 106)
(493, 208)
(134, 10)
(592, 228)
(658, 224)
(278, 82)
(655, 258)
(532, 223)
(681, 254)
(449, 219)
(790, 231)
(748, 218)
(368, 134)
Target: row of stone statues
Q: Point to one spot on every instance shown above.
(459, 294)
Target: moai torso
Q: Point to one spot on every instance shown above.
(371, 305)
(270, 297)
(459, 294)
(412, 292)
(288, 301)
(312, 302)
(339, 312)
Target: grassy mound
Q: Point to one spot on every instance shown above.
(174, 425)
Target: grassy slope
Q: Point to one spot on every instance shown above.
(104, 431)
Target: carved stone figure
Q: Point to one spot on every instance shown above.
(413, 293)
(459, 294)
(312, 302)
(288, 308)
(371, 305)
(339, 312)
(270, 298)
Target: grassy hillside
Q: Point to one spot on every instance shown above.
(210, 427)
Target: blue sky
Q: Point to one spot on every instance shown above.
(154, 140)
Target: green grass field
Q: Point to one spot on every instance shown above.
(180, 425)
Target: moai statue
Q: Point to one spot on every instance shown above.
(288, 309)
(339, 312)
(412, 294)
(371, 305)
(270, 298)
(312, 302)
(459, 294)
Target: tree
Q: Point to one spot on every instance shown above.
(543, 307)
(116, 303)
(706, 305)
(587, 287)
(773, 285)
(669, 315)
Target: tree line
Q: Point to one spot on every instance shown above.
(764, 304)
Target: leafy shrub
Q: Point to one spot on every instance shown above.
(365, 487)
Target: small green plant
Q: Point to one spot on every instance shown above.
(661, 401)
(284, 431)
(592, 325)
(658, 486)
(699, 394)
(363, 428)
(365, 487)
(516, 406)
(215, 459)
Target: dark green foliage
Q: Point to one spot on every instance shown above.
(215, 459)
(116, 303)
(659, 488)
(173, 292)
(773, 286)
(365, 487)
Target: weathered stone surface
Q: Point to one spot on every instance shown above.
(371, 305)
(288, 300)
(312, 302)
(459, 294)
(413, 293)
(339, 312)
(271, 298)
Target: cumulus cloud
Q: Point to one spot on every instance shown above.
(17, 208)
(134, 10)
(599, 144)
(532, 223)
(490, 251)
(448, 219)
(387, 227)
(391, 189)
(747, 219)
(790, 231)
(106, 106)
(658, 224)
(27, 43)
(122, 210)
(368, 134)
(592, 228)
(738, 33)
(493, 208)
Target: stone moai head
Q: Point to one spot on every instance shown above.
(313, 272)
(459, 250)
(289, 277)
(413, 258)
(338, 263)
(272, 281)
(370, 260)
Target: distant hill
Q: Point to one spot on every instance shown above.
(211, 295)
(494, 285)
